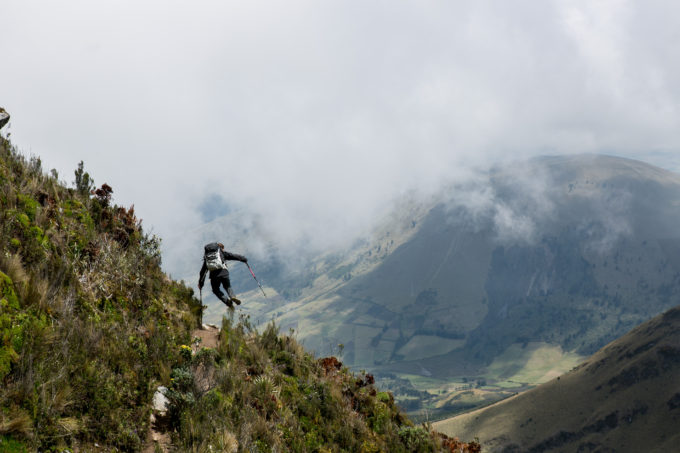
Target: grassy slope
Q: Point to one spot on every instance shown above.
(88, 322)
(264, 392)
(623, 398)
(90, 327)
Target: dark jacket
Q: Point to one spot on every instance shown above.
(219, 273)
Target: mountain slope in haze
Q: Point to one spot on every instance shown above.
(571, 251)
(560, 254)
(564, 253)
(626, 397)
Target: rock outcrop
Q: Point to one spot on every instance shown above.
(4, 117)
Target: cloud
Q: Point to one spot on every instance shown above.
(315, 116)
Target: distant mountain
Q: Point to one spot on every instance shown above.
(561, 254)
(626, 397)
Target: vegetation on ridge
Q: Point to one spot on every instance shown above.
(272, 395)
(88, 322)
(90, 327)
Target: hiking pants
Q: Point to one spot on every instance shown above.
(222, 280)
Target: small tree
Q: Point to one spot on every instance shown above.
(103, 195)
(84, 183)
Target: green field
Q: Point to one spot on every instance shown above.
(530, 364)
(519, 368)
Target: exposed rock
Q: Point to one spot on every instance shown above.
(204, 378)
(160, 402)
(4, 117)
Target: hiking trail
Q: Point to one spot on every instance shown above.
(158, 439)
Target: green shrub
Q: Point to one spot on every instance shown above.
(8, 297)
(10, 445)
(75, 209)
(416, 439)
(23, 219)
(10, 325)
(28, 205)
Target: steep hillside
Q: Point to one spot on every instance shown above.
(264, 392)
(92, 332)
(88, 322)
(626, 397)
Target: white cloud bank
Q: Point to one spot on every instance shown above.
(316, 114)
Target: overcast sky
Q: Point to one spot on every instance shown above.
(317, 113)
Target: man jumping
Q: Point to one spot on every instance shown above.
(215, 260)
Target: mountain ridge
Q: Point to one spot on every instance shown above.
(623, 398)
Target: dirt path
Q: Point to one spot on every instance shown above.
(158, 439)
(209, 336)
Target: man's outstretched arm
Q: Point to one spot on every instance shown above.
(234, 257)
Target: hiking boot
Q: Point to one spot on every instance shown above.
(228, 304)
(236, 301)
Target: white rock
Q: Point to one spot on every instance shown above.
(160, 402)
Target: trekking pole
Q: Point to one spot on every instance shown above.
(200, 295)
(258, 283)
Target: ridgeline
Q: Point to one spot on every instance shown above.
(623, 398)
(90, 328)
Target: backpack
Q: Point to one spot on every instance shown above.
(213, 257)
